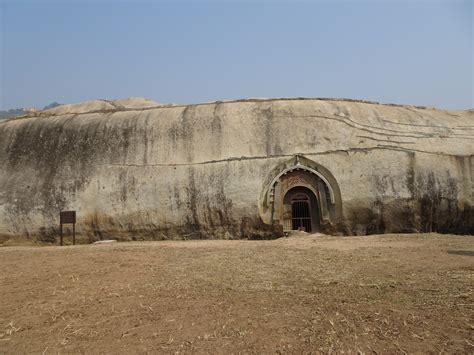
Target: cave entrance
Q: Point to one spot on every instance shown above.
(317, 208)
(302, 212)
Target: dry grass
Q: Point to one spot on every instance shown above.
(392, 293)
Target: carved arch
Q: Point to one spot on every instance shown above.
(299, 166)
(272, 193)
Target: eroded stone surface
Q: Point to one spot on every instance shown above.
(163, 171)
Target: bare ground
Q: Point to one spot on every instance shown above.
(376, 294)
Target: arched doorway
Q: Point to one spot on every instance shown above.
(323, 192)
(301, 213)
(301, 210)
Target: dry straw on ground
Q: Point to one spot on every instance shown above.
(391, 293)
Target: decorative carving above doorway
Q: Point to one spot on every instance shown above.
(301, 176)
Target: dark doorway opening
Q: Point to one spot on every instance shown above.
(301, 210)
(301, 213)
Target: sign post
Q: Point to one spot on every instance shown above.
(66, 217)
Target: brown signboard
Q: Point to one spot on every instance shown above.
(67, 217)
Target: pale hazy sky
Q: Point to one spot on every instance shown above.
(411, 52)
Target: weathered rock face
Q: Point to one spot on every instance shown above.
(232, 169)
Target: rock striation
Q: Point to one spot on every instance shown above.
(237, 169)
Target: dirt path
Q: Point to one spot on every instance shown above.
(392, 293)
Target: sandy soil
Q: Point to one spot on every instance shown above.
(376, 294)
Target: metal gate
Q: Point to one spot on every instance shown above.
(301, 215)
